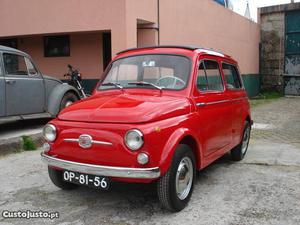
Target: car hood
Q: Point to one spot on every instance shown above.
(126, 108)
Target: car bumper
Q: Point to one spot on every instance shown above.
(109, 171)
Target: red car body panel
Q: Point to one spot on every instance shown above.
(132, 107)
(165, 118)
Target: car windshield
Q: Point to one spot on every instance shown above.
(148, 71)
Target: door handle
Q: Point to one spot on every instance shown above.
(10, 81)
(201, 104)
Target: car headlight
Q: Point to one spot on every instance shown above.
(49, 132)
(134, 139)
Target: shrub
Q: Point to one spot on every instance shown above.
(28, 143)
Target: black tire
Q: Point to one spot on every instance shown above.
(68, 97)
(166, 186)
(237, 153)
(56, 176)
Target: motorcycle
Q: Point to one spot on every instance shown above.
(75, 79)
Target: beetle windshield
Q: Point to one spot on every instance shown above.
(148, 71)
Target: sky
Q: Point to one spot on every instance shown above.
(240, 5)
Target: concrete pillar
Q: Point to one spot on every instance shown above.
(124, 37)
(147, 37)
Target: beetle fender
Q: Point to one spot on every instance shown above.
(170, 147)
(56, 97)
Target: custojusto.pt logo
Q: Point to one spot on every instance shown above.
(29, 214)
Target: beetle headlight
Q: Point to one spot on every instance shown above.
(134, 139)
(49, 132)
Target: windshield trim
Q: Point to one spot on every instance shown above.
(145, 87)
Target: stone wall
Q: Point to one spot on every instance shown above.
(272, 50)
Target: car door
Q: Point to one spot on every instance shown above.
(235, 89)
(2, 89)
(25, 92)
(213, 107)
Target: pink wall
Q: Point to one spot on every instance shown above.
(55, 16)
(29, 17)
(138, 9)
(210, 25)
(85, 54)
(198, 22)
(33, 18)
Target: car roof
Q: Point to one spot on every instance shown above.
(198, 49)
(8, 49)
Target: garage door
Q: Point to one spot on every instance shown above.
(292, 53)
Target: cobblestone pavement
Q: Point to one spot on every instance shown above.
(281, 118)
(262, 189)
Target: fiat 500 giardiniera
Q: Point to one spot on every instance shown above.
(158, 114)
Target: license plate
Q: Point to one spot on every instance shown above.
(86, 179)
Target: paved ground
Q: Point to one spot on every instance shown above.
(263, 189)
(282, 118)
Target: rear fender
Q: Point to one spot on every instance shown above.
(57, 95)
(170, 148)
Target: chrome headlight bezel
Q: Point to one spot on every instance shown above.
(134, 139)
(50, 132)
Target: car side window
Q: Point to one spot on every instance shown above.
(232, 76)
(14, 64)
(209, 77)
(202, 84)
(30, 67)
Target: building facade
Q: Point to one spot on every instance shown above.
(280, 48)
(86, 34)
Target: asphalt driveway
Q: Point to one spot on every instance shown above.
(262, 189)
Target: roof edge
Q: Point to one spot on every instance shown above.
(187, 47)
(9, 49)
(280, 8)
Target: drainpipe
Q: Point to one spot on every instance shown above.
(158, 23)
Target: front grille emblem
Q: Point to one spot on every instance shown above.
(85, 141)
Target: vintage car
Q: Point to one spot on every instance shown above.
(25, 93)
(158, 114)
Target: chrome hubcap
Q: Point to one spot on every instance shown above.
(245, 140)
(184, 178)
(68, 103)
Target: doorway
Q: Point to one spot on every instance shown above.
(292, 53)
(106, 49)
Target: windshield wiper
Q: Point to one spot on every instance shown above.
(113, 84)
(142, 83)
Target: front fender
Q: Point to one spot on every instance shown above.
(171, 145)
(56, 97)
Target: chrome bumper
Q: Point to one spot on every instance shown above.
(109, 171)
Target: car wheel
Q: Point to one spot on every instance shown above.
(56, 176)
(176, 186)
(68, 99)
(239, 152)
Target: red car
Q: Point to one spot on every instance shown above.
(158, 114)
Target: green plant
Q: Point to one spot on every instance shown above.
(269, 95)
(28, 143)
(265, 97)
